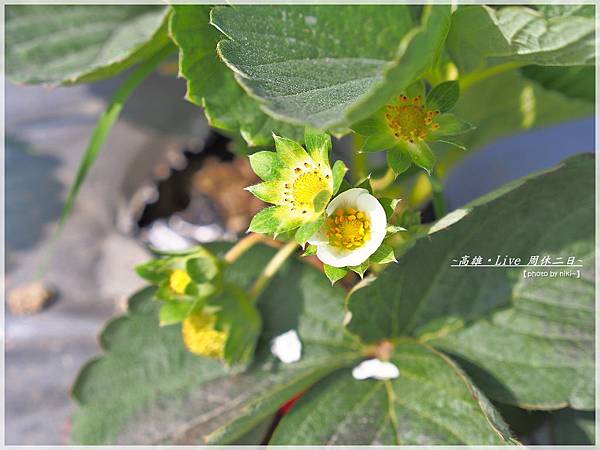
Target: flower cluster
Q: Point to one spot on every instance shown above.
(406, 123)
(346, 232)
(193, 291)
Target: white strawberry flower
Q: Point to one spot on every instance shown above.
(354, 229)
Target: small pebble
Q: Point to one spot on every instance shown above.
(29, 298)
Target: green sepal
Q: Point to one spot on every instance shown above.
(339, 171)
(361, 268)
(310, 250)
(370, 126)
(289, 152)
(173, 312)
(420, 153)
(451, 141)
(239, 318)
(378, 142)
(443, 97)
(318, 144)
(393, 229)
(450, 125)
(389, 205)
(269, 191)
(365, 183)
(344, 186)
(415, 89)
(202, 268)
(266, 165)
(307, 230)
(410, 218)
(383, 255)
(398, 160)
(321, 200)
(272, 221)
(334, 273)
(156, 270)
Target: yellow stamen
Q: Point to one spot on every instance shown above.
(350, 229)
(179, 280)
(200, 336)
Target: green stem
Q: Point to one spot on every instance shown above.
(242, 247)
(475, 77)
(360, 166)
(271, 269)
(103, 127)
(440, 206)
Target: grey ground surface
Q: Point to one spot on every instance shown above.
(92, 268)
(47, 131)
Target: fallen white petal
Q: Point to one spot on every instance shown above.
(287, 347)
(374, 368)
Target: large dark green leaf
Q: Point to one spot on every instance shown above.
(212, 86)
(148, 389)
(577, 82)
(432, 402)
(60, 44)
(482, 36)
(327, 65)
(524, 341)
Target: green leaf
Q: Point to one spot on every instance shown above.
(60, 44)
(443, 97)
(527, 342)
(482, 36)
(306, 231)
(173, 312)
(241, 320)
(398, 160)
(339, 171)
(147, 389)
(383, 255)
(212, 86)
(327, 66)
(334, 273)
(569, 427)
(576, 82)
(432, 402)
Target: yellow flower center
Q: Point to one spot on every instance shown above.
(348, 228)
(200, 336)
(409, 120)
(310, 182)
(179, 280)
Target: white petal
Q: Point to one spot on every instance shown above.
(287, 347)
(374, 368)
(346, 198)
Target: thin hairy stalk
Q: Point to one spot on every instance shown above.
(272, 268)
(242, 247)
